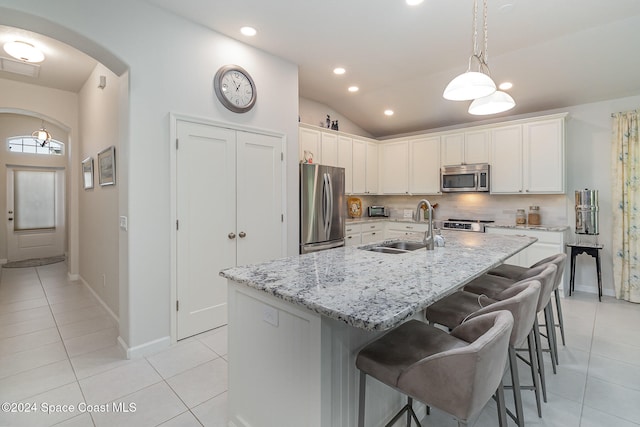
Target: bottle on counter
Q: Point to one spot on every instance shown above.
(521, 218)
(534, 215)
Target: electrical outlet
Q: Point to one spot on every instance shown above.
(124, 223)
(270, 315)
(407, 213)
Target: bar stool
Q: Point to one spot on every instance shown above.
(457, 373)
(521, 300)
(493, 286)
(513, 272)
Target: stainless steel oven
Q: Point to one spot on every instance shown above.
(465, 178)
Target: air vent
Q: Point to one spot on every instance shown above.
(19, 67)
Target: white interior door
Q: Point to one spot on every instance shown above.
(35, 213)
(259, 200)
(206, 212)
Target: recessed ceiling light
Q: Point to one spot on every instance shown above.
(414, 2)
(505, 86)
(248, 31)
(339, 70)
(24, 51)
(388, 112)
(353, 88)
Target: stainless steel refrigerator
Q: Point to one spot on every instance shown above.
(322, 207)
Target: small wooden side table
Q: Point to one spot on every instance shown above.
(592, 249)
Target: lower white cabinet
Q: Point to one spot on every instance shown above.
(372, 232)
(403, 230)
(549, 243)
(353, 234)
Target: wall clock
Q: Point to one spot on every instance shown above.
(235, 88)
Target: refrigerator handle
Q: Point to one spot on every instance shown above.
(325, 203)
(330, 219)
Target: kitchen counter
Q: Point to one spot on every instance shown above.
(530, 227)
(296, 325)
(377, 291)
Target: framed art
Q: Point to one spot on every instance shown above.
(107, 166)
(87, 173)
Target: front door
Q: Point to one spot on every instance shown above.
(35, 212)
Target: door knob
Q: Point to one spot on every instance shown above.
(10, 219)
(242, 234)
(232, 236)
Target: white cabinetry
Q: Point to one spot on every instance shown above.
(543, 156)
(371, 186)
(329, 149)
(465, 148)
(372, 232)
(424, 165)
(549, 243)
(309, 140)
(359, 166)
(404, 230)
(345, 160)
(528, 158)
(352, 234)
(394, 167)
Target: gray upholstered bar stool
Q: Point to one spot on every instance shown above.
(521, 300)
(493, 286)
(457, 373)
(512, 272)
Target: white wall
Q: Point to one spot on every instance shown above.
(171, 66)
(98, 207)
(315, 113)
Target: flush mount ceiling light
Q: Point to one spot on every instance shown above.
(42, 135)
(248, 31)
(495, 103)
(24, 51)
(388, 112)
(353, 88)
(414, 2)
(339, 71)
(473, 84)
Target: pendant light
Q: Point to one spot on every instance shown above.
(497, 102)
(473, 84)
(42, 135)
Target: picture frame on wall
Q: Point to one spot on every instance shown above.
(107, 166)
(87, 173)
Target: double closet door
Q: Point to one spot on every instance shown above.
(229, 212)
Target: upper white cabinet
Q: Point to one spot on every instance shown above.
(345, 160)
(528, 158)
(543, 156)
(359, 165)
(424, 165)
(371, 184)
(329, 148)
(394, 167)
(309, 140)
(465, 148)
(506, 159)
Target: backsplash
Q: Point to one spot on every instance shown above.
(500, 208)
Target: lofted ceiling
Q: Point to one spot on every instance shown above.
(557, 53)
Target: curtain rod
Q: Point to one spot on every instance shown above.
(624, 112)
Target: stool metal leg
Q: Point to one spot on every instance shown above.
(536, 333)
(502, 413)
(534, 364)
(515, 380)
(548, 316)
(552, 332)
(363, 387)
(559, 310)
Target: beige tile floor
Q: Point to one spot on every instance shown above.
(58, 346)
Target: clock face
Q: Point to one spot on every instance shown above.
(235, 88)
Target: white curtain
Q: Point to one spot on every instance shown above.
(625, 166)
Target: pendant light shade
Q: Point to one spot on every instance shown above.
(469, 85)
(42, 135)
(495, 103)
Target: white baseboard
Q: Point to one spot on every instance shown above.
(73, 277)
(102, 303)
(145, 349)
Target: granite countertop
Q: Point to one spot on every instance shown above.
(378, 291)
(530, 227)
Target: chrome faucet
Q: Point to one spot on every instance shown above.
(428, 235)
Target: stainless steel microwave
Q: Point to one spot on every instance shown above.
(469, 178)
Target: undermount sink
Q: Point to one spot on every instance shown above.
(401, 247)
(407, 246)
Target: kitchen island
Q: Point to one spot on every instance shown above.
(296, 324)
